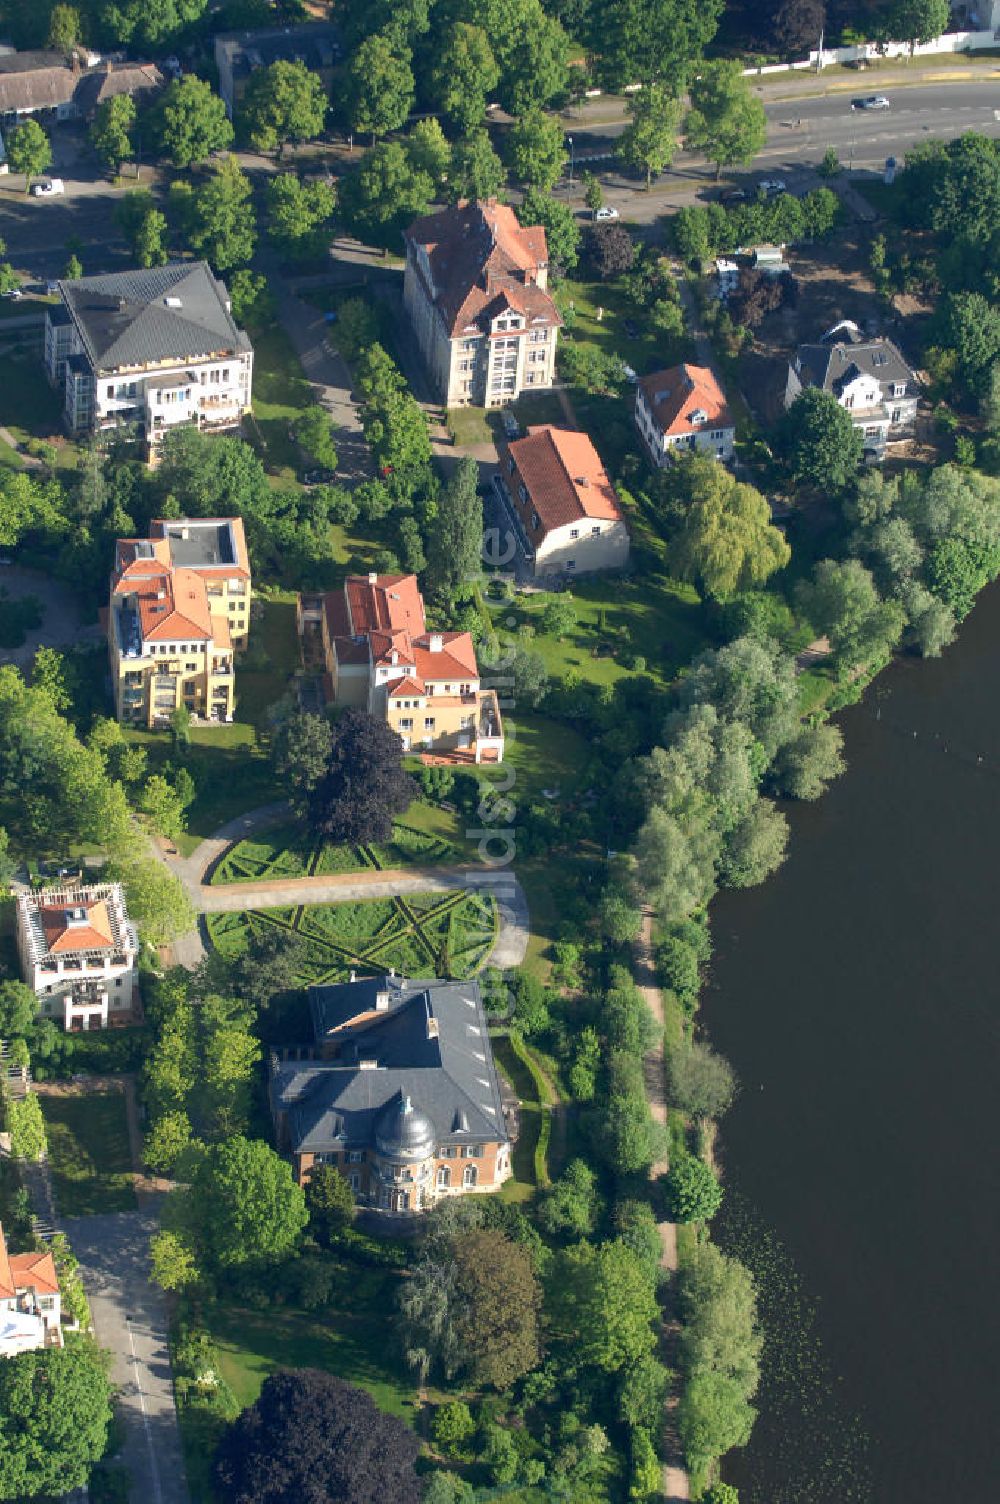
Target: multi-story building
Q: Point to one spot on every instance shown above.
(563, 507)
(30, 1303)
(474, 287)
(868, 377)
(238, 55)
(684, 409)
(379, 655)
(179, 610)
(156, 348)
(79, 952)
(401, 1094)
(65, 87)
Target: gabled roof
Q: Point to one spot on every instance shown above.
(674, 395)
(481, 260)
(172, 603)
(66, 933)
(456, 657)
(46, 80)
(563, 476)
(139, 80)
(34, 1271)
(834, 366)
(384, 602)
(141, 317)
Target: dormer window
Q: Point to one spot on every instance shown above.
(698, 417)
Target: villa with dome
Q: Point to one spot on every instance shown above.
(397, 1090)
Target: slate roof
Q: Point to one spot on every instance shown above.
(673, 395)
(315, 43)
(563, 476)
(125, 320)
(430, 1044)
(832, 367)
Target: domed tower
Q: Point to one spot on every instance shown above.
(405, 1145)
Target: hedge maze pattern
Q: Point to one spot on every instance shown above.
(287, 852)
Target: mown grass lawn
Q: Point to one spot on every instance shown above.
(89, 1153)
(290, 850)
(521, 1185)
(280, 393)
(272, 659)
(31, 409)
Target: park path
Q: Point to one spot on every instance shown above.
(676, 1484)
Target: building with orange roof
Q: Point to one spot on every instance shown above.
(79, 955)
(561, 503)
(180, 609)
(684, 409)
(30, 1304)
(475, 290)
(380, 656)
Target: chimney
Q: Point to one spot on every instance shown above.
(381, 1002)
(373, 578)
(436, 642)
(432, 1026)
(354, 976)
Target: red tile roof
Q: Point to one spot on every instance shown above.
(480, 260)
(34, 1271)
(455, 659)
(389, 602)
(7, 1290)
(673, 395)
(563, 476)
(61, 936)
(174, 606)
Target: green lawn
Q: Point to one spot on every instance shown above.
(420, 936)
(272, 659)
(280, 393)
(648, 350)
(31, 408)
(89, 1153)
(288, 850)
(521, 1185)
(469, 425)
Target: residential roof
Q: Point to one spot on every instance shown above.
(47, 80)
(315, 43)
(34, 1271)
(674, 397)
(425, 1041)
(564, 477)
(385, 602)
(139, 80)
(72, 927)
(481, 261)
(212, 545)
(834, 366)
(172, 603)
(145, 316)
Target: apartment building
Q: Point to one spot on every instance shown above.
(562, 506)
(79, 955)
(30, 1302)
(155, 347)
(474, 287)
(683, 409)
(379, 655)
(179, 612)
(397, 1090)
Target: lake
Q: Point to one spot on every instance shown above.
(856, 995)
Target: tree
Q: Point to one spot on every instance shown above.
(621, 921)
(602, 1305)
(625, 1135)
(476, 171)
(243, 1204)
(713, 1417)
(56, 1405)
(701, 1082)
(455, 534)
(841, 602)
(172, 1261)
(693, 1193)
(428, 151)
(330, 1201)
(64, 28)
(721, 1493)
(537, 150)
(452, 1426)
(18, 1007)
(820, 443)
(569, 1208)
(675, 867)
(28, 151)
(655, 41)
(463, 76)
(749, 681)
(796, 25)
(311, 1435)
(725, 540)
(143, 226)
(110, 133)
(249, 296)
(49, 674)
(650, 141)
(529, 677)
(725, 120)
(562, 234)
(164, 808)
(806, 765)
(363, 785)
(282, 103)
(166, 1141)
(26, 1127)
(558, 616)
(190, 122)
(156, 901)
(314, 433)
(971, 325)
(609, 249)
(385, 192)
(755, 847)
(931, 621)
(720, 1332)
(496, 1306)
(379, 86)
(300, 750)
(448, 1488)
(916, 21)
(220, 221)
(73, 270)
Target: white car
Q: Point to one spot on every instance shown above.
(49, 189)
(773, 186)
(14, 292)
(870, 102)
(606, 213)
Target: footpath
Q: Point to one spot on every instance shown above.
(676, 1484)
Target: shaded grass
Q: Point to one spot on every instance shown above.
(274, 643)
(231, 771)
(280, 393)
(522, 1184)
(89, 1153)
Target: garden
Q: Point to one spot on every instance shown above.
(88, 1151)
(287, 851)
(421, 935)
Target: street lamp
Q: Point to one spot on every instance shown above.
(571, 157)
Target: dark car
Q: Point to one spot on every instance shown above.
(318, 477)
(870, 102)
(632, 329)
(732, 196)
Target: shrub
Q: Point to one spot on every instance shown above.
(692, 1190)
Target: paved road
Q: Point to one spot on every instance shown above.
(130, 1320)
(62, 622)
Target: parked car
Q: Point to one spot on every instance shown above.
(732, 196)
(318, 477)
(51, 287)
(632, 329)
(606, 212)
(15, 293)
(511, 426)
(50, 188)
(870, 102)
(771, 187)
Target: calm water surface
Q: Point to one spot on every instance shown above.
(857, 996)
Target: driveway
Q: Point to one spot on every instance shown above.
(130, 1320)
(62, 625)
(325, 368)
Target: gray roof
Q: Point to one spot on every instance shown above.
(199, 544)
(428, 1044)
(315, 43)
(46, 80)
(176, 312)
(834, 366)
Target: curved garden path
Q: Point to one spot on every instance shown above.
(341, 887)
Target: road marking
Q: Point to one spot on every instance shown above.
(157, 1490)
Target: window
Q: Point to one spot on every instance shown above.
(897, 415)
(574, 532)
(356, 1157)
(472, 1151)
(595, 532)
(471, 1175)
(510, 464)
(355, 1181)
(534, 521)
(443, 1175)
(406, 723)
(447, 1151)
(428, 723)
(522, 493)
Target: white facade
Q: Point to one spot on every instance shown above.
(87, 983)
(717, 443)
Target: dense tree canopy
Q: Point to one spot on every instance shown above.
(724, 540)
(602, 1304)
(243, 1207)
(283, 102)
(726, 121)
(363, 785)
(189, 122)
(56, 1408)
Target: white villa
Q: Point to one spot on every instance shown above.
(79, 952)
